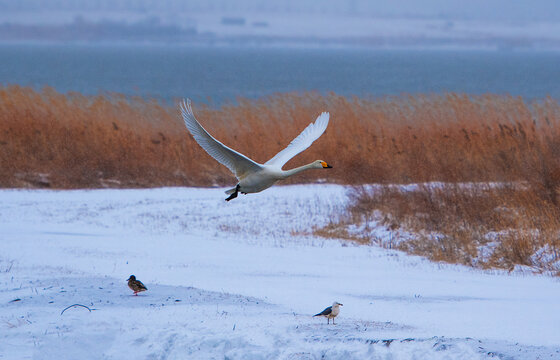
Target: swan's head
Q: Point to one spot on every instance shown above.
(320, 164)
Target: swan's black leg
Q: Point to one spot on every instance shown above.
(234, 195)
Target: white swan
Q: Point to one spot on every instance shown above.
(254, 177)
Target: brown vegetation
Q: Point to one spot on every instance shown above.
(48, 139)
(478, 224)
(69, 141)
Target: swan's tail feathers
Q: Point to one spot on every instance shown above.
(231, 191)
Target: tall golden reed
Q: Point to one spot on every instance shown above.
(74, 141)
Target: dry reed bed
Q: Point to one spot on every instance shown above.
(484, 225)
(112, 140)
(48, 139)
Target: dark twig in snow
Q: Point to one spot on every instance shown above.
(75, 305)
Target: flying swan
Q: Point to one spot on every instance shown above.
(254, 177)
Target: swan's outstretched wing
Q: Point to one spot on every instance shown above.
(304, 140)
(236, 162)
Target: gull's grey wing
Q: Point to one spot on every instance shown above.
(236, 162)
(325, 312)
(304, 140)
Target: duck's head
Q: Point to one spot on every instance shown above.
(320, 164)
(132, 277)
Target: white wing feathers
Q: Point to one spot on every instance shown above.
(302, 142)
(236, 162)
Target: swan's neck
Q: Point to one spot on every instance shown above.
(297, 170)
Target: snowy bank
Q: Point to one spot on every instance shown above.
(241, 280)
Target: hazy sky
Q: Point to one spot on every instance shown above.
(503, 10)
(467, 23)
(548, 10)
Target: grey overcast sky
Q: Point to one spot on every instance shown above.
(503, 10)
(528, 24)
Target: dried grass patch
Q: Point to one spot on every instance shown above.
(484, 225)
(49, 139)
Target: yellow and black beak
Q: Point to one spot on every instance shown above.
(326, 166)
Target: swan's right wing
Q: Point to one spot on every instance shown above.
(236, 162)
(304, 140)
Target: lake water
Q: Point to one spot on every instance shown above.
(222, 74)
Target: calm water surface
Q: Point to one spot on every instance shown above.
(222, 74)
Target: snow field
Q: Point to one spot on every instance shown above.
(241, 280)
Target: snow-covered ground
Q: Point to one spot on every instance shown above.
(241, 280)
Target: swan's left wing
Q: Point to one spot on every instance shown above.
(236, 162)
(304, 140)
